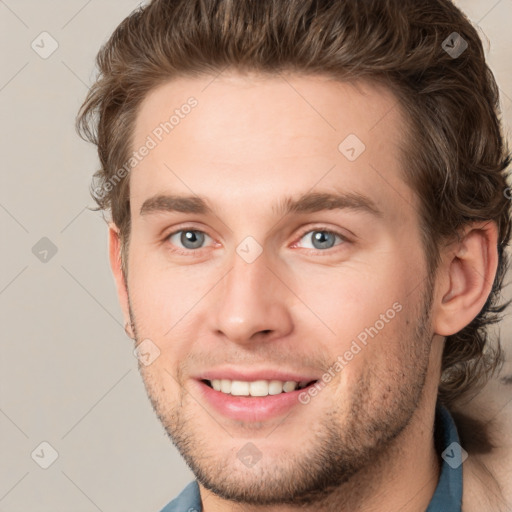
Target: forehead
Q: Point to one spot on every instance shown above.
(252, 136)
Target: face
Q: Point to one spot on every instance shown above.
(245, 278)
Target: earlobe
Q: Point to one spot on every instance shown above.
(465, 278)
(116, 267)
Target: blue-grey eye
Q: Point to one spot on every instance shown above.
(321, 238)
(189, 239)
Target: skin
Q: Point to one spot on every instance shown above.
(251, 141)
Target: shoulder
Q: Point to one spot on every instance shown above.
(484, 432)
(483, 487)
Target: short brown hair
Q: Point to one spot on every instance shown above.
(456, 157)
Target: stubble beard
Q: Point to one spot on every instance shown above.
(330, 456)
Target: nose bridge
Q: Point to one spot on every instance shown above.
(251, 299)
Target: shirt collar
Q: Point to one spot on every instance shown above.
(448, 494)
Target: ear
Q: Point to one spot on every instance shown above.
(115, 265)
(465, 277)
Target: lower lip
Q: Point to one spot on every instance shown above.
(251, 408)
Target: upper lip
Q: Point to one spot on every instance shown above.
(252, 375)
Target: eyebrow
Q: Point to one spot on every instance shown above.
(310, 202)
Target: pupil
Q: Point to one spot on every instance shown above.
(320, 237)
(191, 237)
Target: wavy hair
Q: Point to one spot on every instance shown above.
(456, 157)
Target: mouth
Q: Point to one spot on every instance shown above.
(254, 395)
(256, 388)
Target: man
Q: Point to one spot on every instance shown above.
(308, 233)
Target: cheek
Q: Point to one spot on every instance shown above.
(348, 300)
(162, 389)
(166, 305)
(369, 315)
(162, 297)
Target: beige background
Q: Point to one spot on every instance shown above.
(67, 373)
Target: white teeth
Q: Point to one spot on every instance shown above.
(258, 388)
(289, 385)
(225, 386)
(239, 388)
(275, 387)
(255, 388)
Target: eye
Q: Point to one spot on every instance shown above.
(186, 241)
(190, 239)
(322, 238)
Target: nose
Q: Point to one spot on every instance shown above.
(253, 303)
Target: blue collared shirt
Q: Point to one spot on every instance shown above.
(447, 496)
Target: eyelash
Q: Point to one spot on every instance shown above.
(330, 250)
(323, 229)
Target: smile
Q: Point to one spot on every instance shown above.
(256, 387)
